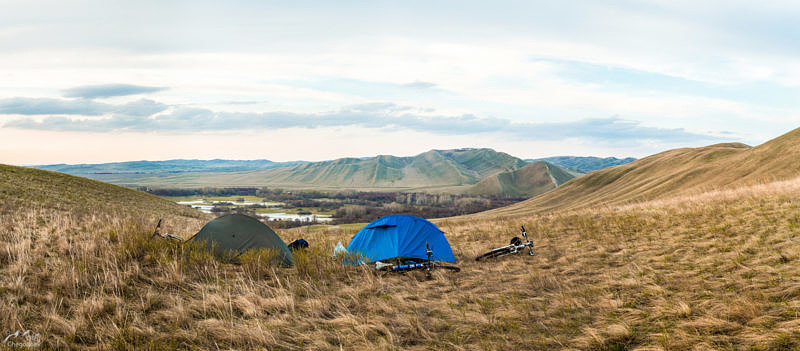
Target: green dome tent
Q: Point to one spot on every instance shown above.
(233, 234)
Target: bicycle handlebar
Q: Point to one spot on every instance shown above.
(528, 242)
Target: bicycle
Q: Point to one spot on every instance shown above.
(157, 233)
(428, 265)
(515, 246)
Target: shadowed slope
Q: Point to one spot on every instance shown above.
(672, 173)
(534, 179)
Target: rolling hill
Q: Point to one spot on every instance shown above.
(470, 171)
(34, 188)
(533, 179)
(583, 165)
(675, 172)
(435, 169)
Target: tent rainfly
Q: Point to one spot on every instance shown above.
(233, 234)
(400, 236)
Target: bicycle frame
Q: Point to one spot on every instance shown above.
(157, 232)
(527, 243)
(511, 248)
(400, 268)
(428, 265)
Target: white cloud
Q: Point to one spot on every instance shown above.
(480, 60)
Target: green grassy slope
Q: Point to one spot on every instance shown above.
(28, 188)
(435, 168)
(675, 172)
(534, 179)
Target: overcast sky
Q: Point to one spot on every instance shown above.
(101, 81)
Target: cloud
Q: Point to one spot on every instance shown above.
(109, 90)
(419, 85)
(77, 107)
(381, 116)
(47, 106)
(141, 107)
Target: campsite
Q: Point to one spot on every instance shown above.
(400, 175)
(608, 278)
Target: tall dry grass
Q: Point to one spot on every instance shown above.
(708, 271)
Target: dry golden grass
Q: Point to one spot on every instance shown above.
(716, 270)
(671, 173)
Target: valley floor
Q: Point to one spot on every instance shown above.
(719, 270)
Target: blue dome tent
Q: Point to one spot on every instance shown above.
(400, 236)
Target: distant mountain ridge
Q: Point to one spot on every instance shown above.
(584, 164)
(479, 171)
(167, 166)
(432, 169)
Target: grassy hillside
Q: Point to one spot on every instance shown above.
(432, 169)
(710, 271)
(583, 165)
(32, 188)
(674, 172)
(533, 179)
(714, 270)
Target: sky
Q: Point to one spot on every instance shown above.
(104, 81)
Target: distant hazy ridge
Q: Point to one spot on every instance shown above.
(459, 170)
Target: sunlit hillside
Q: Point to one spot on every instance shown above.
(679, 171)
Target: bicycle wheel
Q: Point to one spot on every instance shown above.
(494, 253)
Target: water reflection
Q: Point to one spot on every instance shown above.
(292, 216)
(205, 206)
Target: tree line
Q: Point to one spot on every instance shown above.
(352, 206)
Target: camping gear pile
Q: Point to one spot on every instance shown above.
(396, 243)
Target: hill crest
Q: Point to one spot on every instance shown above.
(532, 179)
(24, 187)
(675, 172)
(434, 168)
